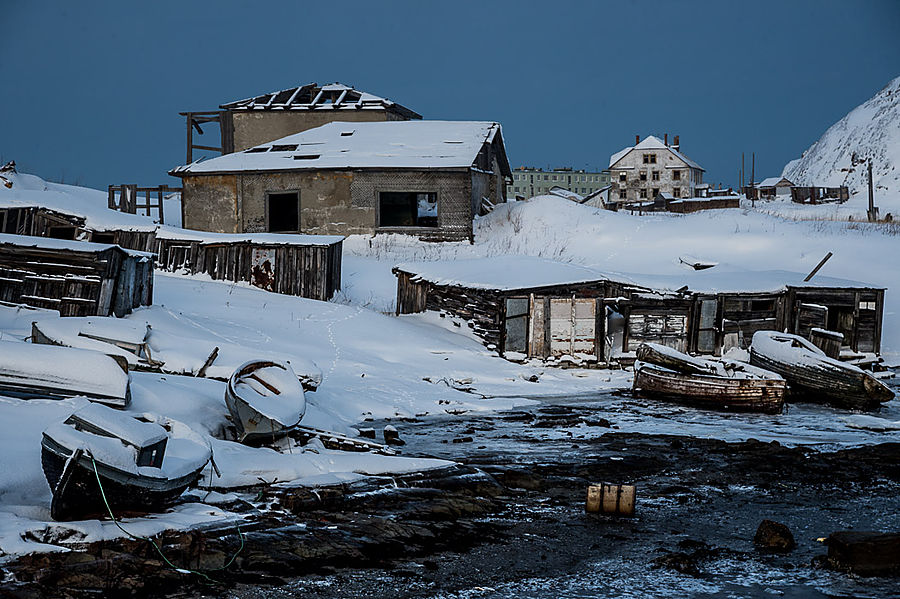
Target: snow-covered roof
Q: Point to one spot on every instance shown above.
(175, 234)
(341, 145)
(311, 96)
(722, 279)
(45, 243)
(503, 273)
(30, 191)
(772, 182)
(652, 142)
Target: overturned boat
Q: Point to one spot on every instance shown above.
(31, 371)
(664, 373)
(815, 377)
(265, 400)
(100, 459)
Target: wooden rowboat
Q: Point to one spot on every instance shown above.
(265, 400)
(29, 371)
(815, 377)
(664, 373)
(142, 466)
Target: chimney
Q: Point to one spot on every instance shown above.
(676, 145)
(666, 138)
(637, 139)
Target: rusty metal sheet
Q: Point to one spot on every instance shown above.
(262, 268)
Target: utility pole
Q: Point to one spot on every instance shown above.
(742, 170)
(873, 211)
(753, 169)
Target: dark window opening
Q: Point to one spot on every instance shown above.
(643, 176)
(762, 305)
(103, 238)
(623, 177)
(408, 209)
(284, 212)
(655, 191)
(623, 194)
(61, 233)
(676, 175)
(676, 193)
(656, 175)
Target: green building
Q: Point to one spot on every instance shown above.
(528, 181)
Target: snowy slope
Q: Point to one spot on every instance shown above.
(839, 157)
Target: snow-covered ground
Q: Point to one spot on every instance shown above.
(378, 365)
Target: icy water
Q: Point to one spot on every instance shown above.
(554, 550)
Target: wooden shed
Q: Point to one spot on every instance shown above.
(76, 278)
(304, 265)
(519, 305)
(723, 309)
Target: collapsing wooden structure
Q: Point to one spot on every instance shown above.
(304, 265)
(74, 278)
(819, 195)
(528, 307)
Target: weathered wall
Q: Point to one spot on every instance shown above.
(325, 206)
(454, 193)
(209, 203)
(252, 128)
(331, 202)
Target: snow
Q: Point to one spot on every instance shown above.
(376, 365)
(769, 182)
(61, 244)
(869, 131)
(393, 144)
(132, 431)
(80, 371)
(29, 191)
(503, 273)
(286, 407)
(176, 234)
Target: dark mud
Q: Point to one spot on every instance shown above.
(510, 522)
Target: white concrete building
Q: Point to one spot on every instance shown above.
(641, 172)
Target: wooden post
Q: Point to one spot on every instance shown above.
(161, 192)
(818, 266)
(190, 138)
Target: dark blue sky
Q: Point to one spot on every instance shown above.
(90, 91)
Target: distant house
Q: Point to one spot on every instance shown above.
(426, 178)
(247, 123)
(529, 181)
(639, 173)
(773, 187)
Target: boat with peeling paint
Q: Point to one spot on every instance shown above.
(813, 376)
(100, 456)
(265, 400)
(667, 374)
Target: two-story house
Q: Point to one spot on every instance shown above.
(641, 172)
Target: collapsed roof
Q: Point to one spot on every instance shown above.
(335, 96)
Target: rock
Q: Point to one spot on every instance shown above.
(678, 561)
(865, 553)
(774, 536)
(392, 437)
(367, 433)
(463, 440)
(597, 422)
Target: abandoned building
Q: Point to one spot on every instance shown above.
(819, 195)
(253, 121)
(570, 314)
(773, 187)
(73, 277)
(519, 305)
(424, 178)
(639, 173)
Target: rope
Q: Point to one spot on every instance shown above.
(152, 542)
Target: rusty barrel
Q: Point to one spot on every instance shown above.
(612, 499)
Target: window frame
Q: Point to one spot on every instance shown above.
(381, 227)
(272, 192)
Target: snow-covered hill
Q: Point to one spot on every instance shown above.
(839, 157)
